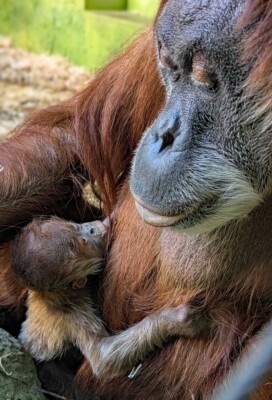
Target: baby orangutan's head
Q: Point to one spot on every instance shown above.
(52, 254)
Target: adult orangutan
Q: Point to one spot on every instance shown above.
(201, 176)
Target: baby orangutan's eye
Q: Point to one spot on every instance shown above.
(85, 240)
(74, 226)
(80, 283)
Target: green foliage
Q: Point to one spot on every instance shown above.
(84, 37)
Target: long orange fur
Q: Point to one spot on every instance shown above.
(99, 129)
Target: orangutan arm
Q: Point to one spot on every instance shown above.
(115, 356)
(35, 166)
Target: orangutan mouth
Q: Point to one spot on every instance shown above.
(153, 218)
(190, 217)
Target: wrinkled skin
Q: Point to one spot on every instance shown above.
(199, 165)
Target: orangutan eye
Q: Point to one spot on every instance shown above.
(166, 59)
(80, 283)
(85, 240)
(74, 226)
(202, 72)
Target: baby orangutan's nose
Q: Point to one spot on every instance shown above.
(94, 228)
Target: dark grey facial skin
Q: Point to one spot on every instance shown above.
(201, 164)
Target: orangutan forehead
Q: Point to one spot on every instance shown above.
(193, 20)
(195, 9)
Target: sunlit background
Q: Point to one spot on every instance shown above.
(50, 49)
(86, 32)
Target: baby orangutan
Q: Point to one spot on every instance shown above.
(55, 260)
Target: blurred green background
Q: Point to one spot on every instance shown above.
(86, 32)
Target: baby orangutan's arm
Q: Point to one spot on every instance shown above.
(48, 331)
(115, 356)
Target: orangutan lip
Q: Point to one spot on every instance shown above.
(159, 220)
(153, 218)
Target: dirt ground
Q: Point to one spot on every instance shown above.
(29, 82)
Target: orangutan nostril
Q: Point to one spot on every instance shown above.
(167, 140)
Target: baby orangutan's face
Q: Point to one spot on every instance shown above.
(90, 238)
(54, 254)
